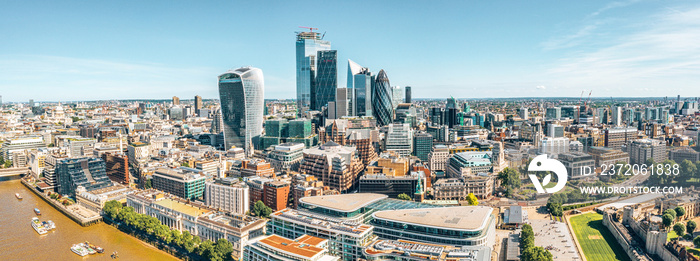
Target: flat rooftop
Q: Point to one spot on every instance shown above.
(303, 246)
(181, 207)
(344, 202)
(457, 218)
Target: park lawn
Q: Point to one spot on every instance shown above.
(671, 235)
(597, 242)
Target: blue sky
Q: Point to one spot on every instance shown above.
(86, 50)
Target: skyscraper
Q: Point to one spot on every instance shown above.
(408, 94)
(451, 103)
(360, 82)
(342, 102)
(197, 103)
(326, 79)
(307, 46)
(176, 100)
(382, 99)
(242, 92)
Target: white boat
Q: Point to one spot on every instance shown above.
(50, 225)
(18, 196)
(38, 227)
(78, 249)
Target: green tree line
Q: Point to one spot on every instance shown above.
(153, 228)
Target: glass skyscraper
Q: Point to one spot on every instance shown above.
(326, 79)
(242, 93)
(382, 97)
(360, 81)
(308, 44)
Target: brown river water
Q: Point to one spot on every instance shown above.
(19, 241)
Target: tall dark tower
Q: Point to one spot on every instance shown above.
(408, 94)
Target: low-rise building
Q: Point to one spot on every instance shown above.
(179, 182)
(417, 251)
(228, 194)
(274, 247)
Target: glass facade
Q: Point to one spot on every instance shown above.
(89, 173)
(307, 46)
(326, 79)
(242, 124)
(382, 96)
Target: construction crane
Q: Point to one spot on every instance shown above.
(310, 28)
(587, 100)
(579, 99)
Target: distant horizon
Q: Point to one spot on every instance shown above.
(670, 98)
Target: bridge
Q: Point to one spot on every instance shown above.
(9, 172)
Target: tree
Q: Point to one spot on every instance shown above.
(555, 209)
(696, 241)
(223, 248)
(679, 229)
(473, 201)
(690, 227)
(111, 208)
(671, 212)
(680, 211)
(688, 169)
(185, 164)
(527, 237)
(536, 254)
(204, 248)
(404, 196)
(148, 184)
(667, 219)
(261, 210)
(509, 178)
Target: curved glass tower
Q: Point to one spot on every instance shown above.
(242, 94)
(382, 96)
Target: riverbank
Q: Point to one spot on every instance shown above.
(18, 241)
(83, 221)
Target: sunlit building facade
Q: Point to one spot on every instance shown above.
(242, 94)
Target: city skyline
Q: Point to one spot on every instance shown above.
(619, 49)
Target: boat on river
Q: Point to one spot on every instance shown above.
(38, 226)
(78, 249)
(18, 196)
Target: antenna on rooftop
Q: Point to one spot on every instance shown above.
(311, 29)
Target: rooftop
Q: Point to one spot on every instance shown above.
(458, 218)
(345, 202)
(304, 246)
(181, 207)
(324, 222)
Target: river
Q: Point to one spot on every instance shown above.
(18, 241)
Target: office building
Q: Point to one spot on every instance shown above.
(343, 98)
(345, 239)
(553, 113)
(553, 146)
(571, 112)
(555, 131)
(618, 136)
(438, 157)
(575, 161)
(469, 163)
(274, 247)
(382, 99)
(228, 194)
(606, 156)
(399, 139)
(286, 157)
(324, 89)
(408, 94)
(337, 166)
(308, 44)
(393, 185)
(360, 79)
(523, 113)
(198, 104)
(180, 182)
(276, 195)
(422, 145)
(251, 168)
(210, 168)
(79, 147)
(617, 116)
(86, 172)
(242, 93)
(456, 226)
(138, 153)
(643, 149)
(117, 167)
(684, 153)
(11, 145)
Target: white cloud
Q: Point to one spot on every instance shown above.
(541, 87)
(663, 55)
